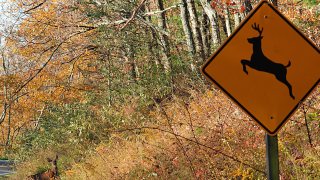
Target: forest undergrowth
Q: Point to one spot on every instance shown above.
(203, 137)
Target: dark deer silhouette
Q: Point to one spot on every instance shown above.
(261, 63)
(49, 174)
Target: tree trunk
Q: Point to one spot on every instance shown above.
(238, 15)
(186, 27)
(135, 69)
(236, 19)
(6, 97)
(9, 127)
(109, 83)
(164, 38)
(195, 26)
(153, 45)
(247, 6)
(129, 57)
(274, 2)
(213, 17)
(204, 28)
(227, 20)
(242, 16)
(5, 94)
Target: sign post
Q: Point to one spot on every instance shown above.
(272, 156)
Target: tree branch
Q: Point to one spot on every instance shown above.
(134, 13)
(35, 7)
(162, 11)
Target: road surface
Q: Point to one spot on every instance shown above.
(6, 167)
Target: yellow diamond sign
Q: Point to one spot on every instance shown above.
(267, 66)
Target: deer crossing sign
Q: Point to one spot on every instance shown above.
(267, 67)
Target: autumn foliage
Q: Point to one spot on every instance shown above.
(90, 81)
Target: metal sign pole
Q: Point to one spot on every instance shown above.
(272, 157)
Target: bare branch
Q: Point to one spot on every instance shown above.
(35, 7)
(133, 14)
(160, 30)
(162, 11)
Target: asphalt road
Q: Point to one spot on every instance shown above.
(5, 172)
(6, 168)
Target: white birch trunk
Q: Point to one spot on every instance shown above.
(204, 28)
(213, 17)
(163, 38)
(153, 42)
(236, 20)
(227, 20)
(195, 27)
(186, 27)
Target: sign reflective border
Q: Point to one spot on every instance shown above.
(267, 66)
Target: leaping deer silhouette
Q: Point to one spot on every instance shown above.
(261, 63)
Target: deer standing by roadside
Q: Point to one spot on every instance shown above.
(261, 63)
(49, 174)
